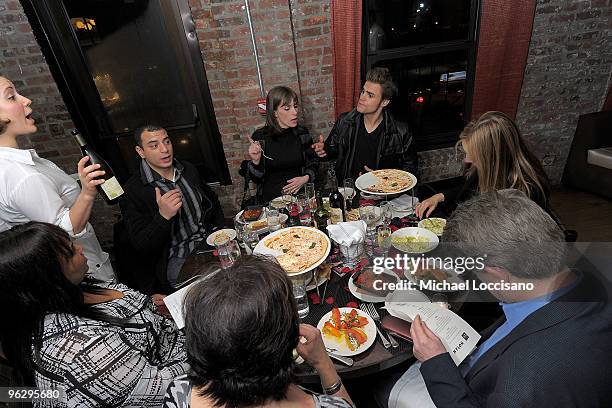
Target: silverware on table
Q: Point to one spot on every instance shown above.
(345, 360)
(376, 317)
(365, 308)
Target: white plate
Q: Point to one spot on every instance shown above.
(283, 218)
(366, 297)
(413, 232)
(341, 347)
(261, 249)
(210, 240)
(423, 224)
(367, 180)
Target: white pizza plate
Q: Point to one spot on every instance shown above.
(210, 240)
(367, 180)
(413, 232)
(261, 249)
(365, 296)
(340, 347)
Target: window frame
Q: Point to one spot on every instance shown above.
(436, 140)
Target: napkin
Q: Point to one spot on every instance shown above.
(347, 233)
(404, 202)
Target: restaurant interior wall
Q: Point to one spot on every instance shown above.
(568, 73)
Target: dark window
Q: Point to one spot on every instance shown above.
(429, 46)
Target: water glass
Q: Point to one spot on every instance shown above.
(349, 192)
(301, 298)
(386, 212)
(240, 226)
(305, 212)
(273, 217)
(228, 253)
(309, 190)
(384, 239)
(250, 237)
(368, 214)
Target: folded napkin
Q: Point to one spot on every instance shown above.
(404, 202)
(347, 233)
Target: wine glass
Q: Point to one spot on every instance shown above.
(384, 239)
(369, 214)
(250, 237)
(349, 191)
(305, 212)
(309, 190)
(386, 212)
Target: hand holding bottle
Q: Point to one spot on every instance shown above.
(169, 203)
(88, 176)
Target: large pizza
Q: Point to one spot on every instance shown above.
(390, 181)
(300, 248)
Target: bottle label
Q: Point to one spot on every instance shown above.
(335, 215)
(112, 188)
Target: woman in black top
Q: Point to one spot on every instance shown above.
(282, 159)
(497, 158)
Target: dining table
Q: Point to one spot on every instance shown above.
(332, 292)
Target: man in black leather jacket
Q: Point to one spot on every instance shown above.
(368, 137)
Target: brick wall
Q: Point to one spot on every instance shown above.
(567, 75)
(23, 63)
(294, 47)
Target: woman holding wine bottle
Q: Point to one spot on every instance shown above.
(282, 159)
(35, 189)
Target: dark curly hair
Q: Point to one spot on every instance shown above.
(241, 327)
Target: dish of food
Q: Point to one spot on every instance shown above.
(221, 237)
(386, 181)
(323, 273)
(435, 225)
(414, 240)
(363, 287)
(347, 331)
(352, 215)
(252, 214)
(297, 249)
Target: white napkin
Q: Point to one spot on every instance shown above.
(347, 233)
(404, 202)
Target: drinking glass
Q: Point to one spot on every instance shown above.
(299, 292)
(349, 192)
(228, 253)
(386, 212)
(250, 237)
(384, 239)
(309, 190)
(273, 217)
(368, 214)
(305, 212)
(240, 226)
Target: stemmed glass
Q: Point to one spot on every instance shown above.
(349, 192)
(386, 213)
(309, 190)
(250, 237)
(384, 239)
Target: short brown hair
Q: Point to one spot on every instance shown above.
(382, 76)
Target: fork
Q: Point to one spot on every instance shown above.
(345, 360)
(376, 317)
(364, 307)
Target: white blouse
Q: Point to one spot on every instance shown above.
(35, 189)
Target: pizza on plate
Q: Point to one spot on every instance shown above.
(390, 181)
(300, 248)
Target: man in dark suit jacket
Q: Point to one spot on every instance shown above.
(168, 211)
(552, 347)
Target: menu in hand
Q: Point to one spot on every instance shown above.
(457, 336)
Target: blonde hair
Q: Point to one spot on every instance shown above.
(500, 156)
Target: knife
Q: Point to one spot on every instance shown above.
(346, 360)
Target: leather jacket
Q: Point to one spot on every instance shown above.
(395, 150)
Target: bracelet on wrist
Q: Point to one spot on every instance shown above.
(334, 388)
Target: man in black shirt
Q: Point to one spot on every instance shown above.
(368, 137)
